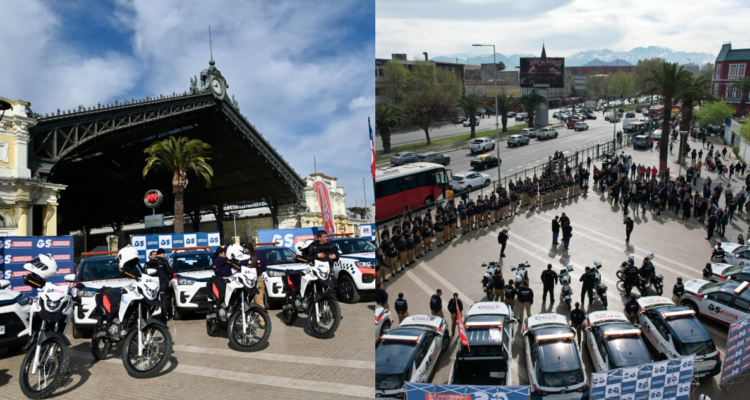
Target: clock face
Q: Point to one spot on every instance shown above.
(216, 86)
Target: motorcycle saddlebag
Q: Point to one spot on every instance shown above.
(291, 281)
(108, 299)
(216, 288)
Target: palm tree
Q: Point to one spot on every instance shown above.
(471, 106)
(742, 86)
(668, 81)
(178, 156)
(529, 103)
(504, 105)
(696, 90)
(385, 115)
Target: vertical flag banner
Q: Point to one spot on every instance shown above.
(324, 201)
(17, 251)
(461, 328)
(372, 149)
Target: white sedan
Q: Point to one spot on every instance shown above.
(581, 126)
(736, 254)
(469, 180)
(468, 122)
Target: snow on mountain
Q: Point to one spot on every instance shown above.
(597, 62)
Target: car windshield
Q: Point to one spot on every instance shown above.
(94, 270)
(478, 158)
(353, 246)
(193, 262)
(740, 249)
(732, 270)
(457, 177)
(628, 351)
(712, 287)
(698, 348)
(561, 378)
(479, 141)
(392, 357)
(275, 256)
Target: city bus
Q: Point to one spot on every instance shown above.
(414, 184)
(656, 112)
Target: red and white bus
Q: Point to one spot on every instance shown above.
(414, 184)
(656, 112)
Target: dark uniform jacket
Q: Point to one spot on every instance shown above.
(577, 316)
(510, 292)
(549, 278)
(452, 306)
(526, 295)
(401, 306)
(436, 303)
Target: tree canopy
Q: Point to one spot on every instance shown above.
(714, 113)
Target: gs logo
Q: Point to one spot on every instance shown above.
(42, 243)
(714, 308)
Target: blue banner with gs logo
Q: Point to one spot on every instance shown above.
(18, 250)
(427, 391)
(145, 244)
(663, 380)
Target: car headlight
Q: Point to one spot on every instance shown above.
(272, 273)
(183, 281)
(53, 305)
(367, 264)
(24, 300)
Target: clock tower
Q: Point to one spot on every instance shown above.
(212, 81)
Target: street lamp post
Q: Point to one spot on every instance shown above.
(497, 123)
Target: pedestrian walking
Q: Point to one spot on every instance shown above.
(577, 316)
(526, 298)
(588, 285)
(502, 239)
(436, 304)
(454, 303)
(631, 309)
(555, 230)
(381, 297)
(671, 146)
(549, 280)
(628, 228)
(402, 308)
(677, 291)
(567, 231)
(498, 283)
(711, 226)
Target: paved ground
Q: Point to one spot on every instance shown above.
(295, 365)
(598, 234)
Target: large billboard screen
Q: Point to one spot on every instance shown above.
(543, 72)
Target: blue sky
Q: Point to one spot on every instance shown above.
(301, 71)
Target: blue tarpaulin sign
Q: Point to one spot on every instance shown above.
(287, 237)
(738, 350)
(168, 241)
(368, 231)
(663, 380)
(427, 391)
(18, 250)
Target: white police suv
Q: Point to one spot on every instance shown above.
(613, 342)
(278, 261)
(409, 353)
(725, 302)
(735, 254)
(554, 365)
(355, 269)
(721, 272)
(95, 271)
(487, 360)
(675, 331)
(192, 267)
(383, 322)
(14, 316)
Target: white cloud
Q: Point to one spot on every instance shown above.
(362, 102)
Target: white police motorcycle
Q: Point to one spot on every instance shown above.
(127, 314)
(487, 286)
(311, 291)
(600, 289)
(521, 273)
(47, 359)
(248, 325)
(567, 292)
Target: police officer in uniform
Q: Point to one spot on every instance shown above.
(436, 304)
(427, 237)
(513, 202)
(631, 276)
(453, 220)
(498, 283)
(392, 254)
(418, 252)
(718, 255)
(549, 279)
(401, 307)
(588, 285)
(631, 309)
(380, 271)
(409, 248)
(439, 231)
(510, 294)
(403, 251)
(452, 304)
(677, 291)
(165, 274)
(577, 316)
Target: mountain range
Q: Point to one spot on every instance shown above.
(592, 57)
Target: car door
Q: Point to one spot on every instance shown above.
(491, 160)
(593, 348)
(433, 352)
(742, 258)
(715, 303)
(649, 329)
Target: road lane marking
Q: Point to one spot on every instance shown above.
(328, 362)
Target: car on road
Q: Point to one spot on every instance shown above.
(547, 133)
(279, 260)
(192, 268)
(727, 272)
(14, 316)
(630, 114)
(556, 114)
(355, 268)
(571, 123)
(725, 302)
(436, 158)
(675, 331)
(581, 126)
(484, 161)
(522, 116)
(613, 342)
(383, 322)
(517, 140)
(459, 120)
(404, 158)
(642, 141)
(511, 114)
(735, 254)
(468, 122)
(590, 116)
(606, 117)
(409, 353)
(656, 134)
(481, 145)
(468, 180)
(553, 363)
(614, 119)
(638, 110)
(488, 358)
(528, 132)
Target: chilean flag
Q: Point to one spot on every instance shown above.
(461, 328)
(372, 148)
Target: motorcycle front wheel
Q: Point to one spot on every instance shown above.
(621, 276)
(490, 295)
(257, 333)
(157, 348)
(212, 327)
(100, 346)
(659, 290)
(54, 360)
(330, 317)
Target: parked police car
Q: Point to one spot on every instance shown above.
(488, 358)
(554, 365)
(278, 261)
(355, 269)
(675, 331)
(383, 322)
(14, 316)
(95, 271)
(722, 272)
(613, 342)
(192, 267)
(725, 302)
(735, 254)
(409, 353)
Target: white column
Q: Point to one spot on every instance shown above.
(21, 145)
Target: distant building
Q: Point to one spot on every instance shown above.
(472, 73)
(581, 74)
(454, 68)
(692, 68)
(731, 65)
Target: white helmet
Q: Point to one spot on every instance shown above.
(299, 248)
(569, 266)
(597, 264)
(631, 257)
(126, 255)
(237, 253)
(650, 256)
(43, 266)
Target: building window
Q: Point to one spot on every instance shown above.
(716, 89)
(741, 70)
(732, 70)
(378, 91)
(453, 69)
(380, 72)
(718, 71)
